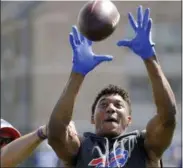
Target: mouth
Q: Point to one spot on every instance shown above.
(111, 120)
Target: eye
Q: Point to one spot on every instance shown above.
(103, 104)
(118, 105)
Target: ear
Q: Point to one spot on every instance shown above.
(129, 118)
(92, 120)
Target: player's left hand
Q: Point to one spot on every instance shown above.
(142, 44)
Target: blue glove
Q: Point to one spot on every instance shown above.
(142, 44)
(84, 60)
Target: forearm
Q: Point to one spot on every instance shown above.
(163, 95)
(18, 150)
(62, 113)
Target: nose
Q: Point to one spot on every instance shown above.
(110, 109)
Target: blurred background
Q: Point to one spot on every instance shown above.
(36, 61)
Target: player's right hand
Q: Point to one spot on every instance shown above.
(84, 60)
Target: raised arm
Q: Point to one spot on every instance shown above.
(162, 125)
(160, 128)
(62, 135)
(17, 151)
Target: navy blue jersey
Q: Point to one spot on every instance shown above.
(126, 151)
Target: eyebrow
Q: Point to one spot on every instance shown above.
(105, 99)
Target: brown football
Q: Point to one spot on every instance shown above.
(98, 19)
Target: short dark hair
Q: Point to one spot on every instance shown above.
(112, 89)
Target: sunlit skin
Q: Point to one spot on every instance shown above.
(111, 107)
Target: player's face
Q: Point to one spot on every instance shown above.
(111, 116)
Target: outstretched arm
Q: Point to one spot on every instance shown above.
(162, 125)
(159, 130)
(62, 134)
(17, 151)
